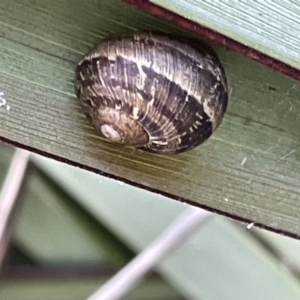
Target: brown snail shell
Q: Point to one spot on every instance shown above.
(155, 92)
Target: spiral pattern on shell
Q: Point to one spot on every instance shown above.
(159, 93)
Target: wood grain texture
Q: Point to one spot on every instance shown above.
(248, 170)
(271, 27)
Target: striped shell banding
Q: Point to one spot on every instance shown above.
(154, 92)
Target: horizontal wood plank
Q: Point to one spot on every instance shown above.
(248, 170)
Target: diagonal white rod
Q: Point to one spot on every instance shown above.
(132, 273)
(8, 197)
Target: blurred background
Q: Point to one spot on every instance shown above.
(74, 230)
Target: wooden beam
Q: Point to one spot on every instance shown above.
(248, 170)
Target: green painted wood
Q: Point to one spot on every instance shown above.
(271, 27)
(249, 168)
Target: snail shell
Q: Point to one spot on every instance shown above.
(155, 92)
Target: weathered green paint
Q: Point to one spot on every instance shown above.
(249, 168)
(271, 27)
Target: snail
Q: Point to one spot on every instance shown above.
(158, 93)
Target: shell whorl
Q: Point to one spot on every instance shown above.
(151, 91)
